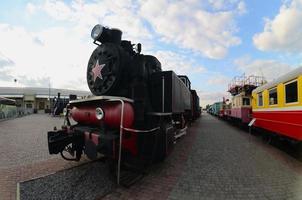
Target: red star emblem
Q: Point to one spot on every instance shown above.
(97, 70)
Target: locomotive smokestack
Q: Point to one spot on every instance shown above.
(115, 36)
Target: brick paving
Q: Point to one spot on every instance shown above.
(24, 140)
(213, 161)
(24, 151)
(219, 161)
(228, 163)
(161, 178)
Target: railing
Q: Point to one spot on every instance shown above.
(7, 111)
(238, 82)
(122, 128)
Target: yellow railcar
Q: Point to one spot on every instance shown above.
(277, 106)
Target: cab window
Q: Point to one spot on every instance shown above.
(291, 92)
(246, 101)
(273, 97)
(260, 99)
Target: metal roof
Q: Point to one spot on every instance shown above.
(285, 78)
(20, 91)
(12, 95)
(7, 101)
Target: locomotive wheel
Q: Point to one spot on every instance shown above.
(298, 150)
(267, 138)
(103, 69)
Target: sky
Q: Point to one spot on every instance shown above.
(47, 42)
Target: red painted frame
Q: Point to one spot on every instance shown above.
(287, 123)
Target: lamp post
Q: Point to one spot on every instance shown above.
(19, 110)
(49, 95)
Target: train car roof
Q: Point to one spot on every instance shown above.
(184, 76)
(194, 91)
(285, 78)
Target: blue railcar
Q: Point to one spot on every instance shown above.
(216, 108)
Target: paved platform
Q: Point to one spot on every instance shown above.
(227, 163)
(24, 140)
(214, 160)
(219, 161)
(24, 151)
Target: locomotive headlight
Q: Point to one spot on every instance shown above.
(99, 113)
(97, 31)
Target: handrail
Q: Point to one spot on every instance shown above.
(121, 137)
(141, 131)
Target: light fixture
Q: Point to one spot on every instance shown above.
(97, 31)
(99, 113)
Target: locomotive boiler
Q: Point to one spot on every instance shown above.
(137, 110)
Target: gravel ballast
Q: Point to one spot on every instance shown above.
(88, 181)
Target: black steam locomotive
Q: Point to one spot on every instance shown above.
(137, 111)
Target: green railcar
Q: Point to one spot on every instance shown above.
(216, 108)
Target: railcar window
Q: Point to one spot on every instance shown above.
(273, 98)
(260, 99)
(246, 101)
(291, 92)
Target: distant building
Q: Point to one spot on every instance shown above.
(32, 99)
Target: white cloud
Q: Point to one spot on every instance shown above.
(58, 55)
(178, 63)
(241, 7)
(192, 27)
(5, 61)
(219, 79)
(30, 8)
(34, 57)
(185, 23)
(218, 5)
(220, 82)
(284, 31)
(270, 69)
(84, 15)
(61, 51)
(207, 97)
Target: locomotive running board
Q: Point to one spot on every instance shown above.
(100, 98)
(180, 133)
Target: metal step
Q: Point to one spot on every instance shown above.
(180, 133)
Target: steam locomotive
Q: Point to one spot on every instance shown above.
(137, 111)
